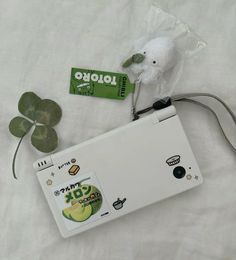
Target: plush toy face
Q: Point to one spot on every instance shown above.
(159, 56)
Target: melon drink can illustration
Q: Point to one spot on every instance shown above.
(80, 200)
(85, 202)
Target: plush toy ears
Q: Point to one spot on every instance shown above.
(136, 58)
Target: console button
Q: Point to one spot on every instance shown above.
(179, 172)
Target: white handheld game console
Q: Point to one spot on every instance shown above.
(101, 179)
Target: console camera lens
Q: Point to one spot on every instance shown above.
(179, 172)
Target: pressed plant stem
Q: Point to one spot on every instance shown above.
(14, 157)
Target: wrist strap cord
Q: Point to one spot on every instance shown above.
(162, 103)
(134, 99)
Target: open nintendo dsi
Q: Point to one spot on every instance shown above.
(102, 179)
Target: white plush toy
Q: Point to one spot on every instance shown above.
(151, 61)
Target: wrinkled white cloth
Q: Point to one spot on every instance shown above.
(40, 42)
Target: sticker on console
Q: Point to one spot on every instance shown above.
(80, 201)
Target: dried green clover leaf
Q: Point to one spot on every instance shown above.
(48, 112)
(44, 138)
(44, 113)
(27, 104)
(19, 126)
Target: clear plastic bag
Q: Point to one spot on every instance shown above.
(170, 42)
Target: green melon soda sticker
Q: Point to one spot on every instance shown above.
(87, 205)
(91, 196)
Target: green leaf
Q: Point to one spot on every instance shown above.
(19, 126)
(27, 104)
(44, 138)
(48, 112)
(138, 58)
(127, 63)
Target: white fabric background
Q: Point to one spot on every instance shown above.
(39, 42)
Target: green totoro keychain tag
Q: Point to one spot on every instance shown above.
(100, 84)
